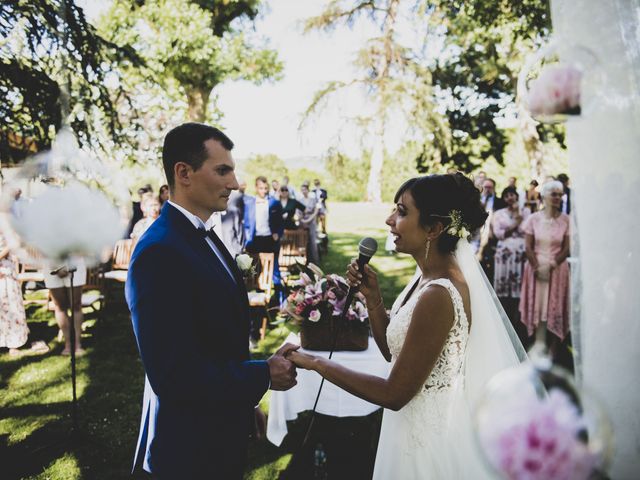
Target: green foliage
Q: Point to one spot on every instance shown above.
(268, 165)
(46, 45)
(196, 44)
(346, 176)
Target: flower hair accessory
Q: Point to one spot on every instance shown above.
(457, 228)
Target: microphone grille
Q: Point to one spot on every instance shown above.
(367, 247)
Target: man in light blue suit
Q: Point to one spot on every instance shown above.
(191, 319)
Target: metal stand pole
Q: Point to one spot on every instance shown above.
(72, 334)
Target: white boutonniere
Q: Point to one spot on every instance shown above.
(245, 264)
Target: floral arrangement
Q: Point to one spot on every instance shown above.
(539, 439)
(317, 297)
(556, 91)
(457, 228)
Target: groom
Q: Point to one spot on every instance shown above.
(191, 321)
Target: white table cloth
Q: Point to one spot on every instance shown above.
(333, 401)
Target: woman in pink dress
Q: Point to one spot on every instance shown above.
(544, 300)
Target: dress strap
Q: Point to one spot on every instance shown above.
(456, 298)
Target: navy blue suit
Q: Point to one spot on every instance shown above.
(191, 322)
(276, 225)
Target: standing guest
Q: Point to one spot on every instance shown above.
(263, 226)
(321, 197)
(136, 210)
(510, 256)
(275, 189)
(290, 206)
(487, 242)
(532, 197)
(232, 227)
(544, 301)
(13, 322)
(242, 187)
(59, 284)
(479, 179)
(150, 206)
(513, 182)
(308, 222)
(293, 194)
(566, 197)
(163, 194)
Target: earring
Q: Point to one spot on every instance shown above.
(426, 255)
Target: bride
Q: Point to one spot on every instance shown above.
(445, 337)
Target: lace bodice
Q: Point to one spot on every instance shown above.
(451, 360)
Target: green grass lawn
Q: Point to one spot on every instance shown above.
(35, 390)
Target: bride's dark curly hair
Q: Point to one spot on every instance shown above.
(436, 196)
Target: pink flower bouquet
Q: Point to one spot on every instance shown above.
(316, 303)
(539, 439)
(556, 91)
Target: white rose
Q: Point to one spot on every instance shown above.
(244, 262)
(314, 316)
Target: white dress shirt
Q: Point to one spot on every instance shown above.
(262, 217)
(198, 224)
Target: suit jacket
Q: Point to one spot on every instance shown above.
(191, 323)
(276, 222)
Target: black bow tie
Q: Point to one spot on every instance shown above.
(225, 253)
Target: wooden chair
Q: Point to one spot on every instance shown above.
(293, 248)
(30, 274)
(120, 260)
(259, 299)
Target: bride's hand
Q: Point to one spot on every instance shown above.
(301, 360)
(366, 282)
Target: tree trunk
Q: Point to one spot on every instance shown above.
(374, 184)
(198, 99)
(532, 144)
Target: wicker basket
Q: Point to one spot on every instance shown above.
(352, 336)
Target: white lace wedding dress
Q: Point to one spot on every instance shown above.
(429, 438)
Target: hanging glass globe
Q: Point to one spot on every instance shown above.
(71, 205)
(532, 422)
(559, 82)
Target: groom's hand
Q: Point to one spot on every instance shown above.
(282, 371)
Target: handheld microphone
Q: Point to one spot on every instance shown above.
(366, 249)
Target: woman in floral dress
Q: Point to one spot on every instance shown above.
(510, 256)
(13, 322)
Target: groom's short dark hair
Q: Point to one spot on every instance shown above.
(185, 143)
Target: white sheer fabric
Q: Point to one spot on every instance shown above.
(431, 437)
(605, 175)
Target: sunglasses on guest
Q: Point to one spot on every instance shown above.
(282, 190)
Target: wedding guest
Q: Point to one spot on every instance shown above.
(150, 207)
(532, 197)
(136, 211)
(232, 227)
(13, 323)
(321, 197)
(290, 207)
(163, 194)
(510, 256)
(513, 182)
(566, 197)
(293, 194)
(544, 300)
(308, 222)
(275, 189)
(263, 225)
(487, 242)
(479, 179)
(59, 284)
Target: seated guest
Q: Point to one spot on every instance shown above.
(150, 207)
(289, 208)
